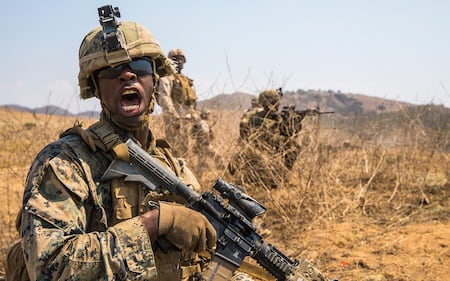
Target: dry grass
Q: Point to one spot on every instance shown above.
(354, 194)
(22, 136)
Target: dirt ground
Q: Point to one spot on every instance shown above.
(361, 251)
(415, 247)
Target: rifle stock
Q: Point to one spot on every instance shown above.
(230, 213)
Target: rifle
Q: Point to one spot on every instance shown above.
(292, 118)
(312, 111)
(230, 213)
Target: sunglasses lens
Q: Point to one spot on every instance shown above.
(140, 67)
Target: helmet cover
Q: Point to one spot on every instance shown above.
(138, 42)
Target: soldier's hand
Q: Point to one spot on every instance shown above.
(185, 228)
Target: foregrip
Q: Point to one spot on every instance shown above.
(160, 174)
(275, 262)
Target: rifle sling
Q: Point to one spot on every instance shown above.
(101, 135)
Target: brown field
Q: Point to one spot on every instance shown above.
(365, 201)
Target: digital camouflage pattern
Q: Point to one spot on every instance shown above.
(76, 227)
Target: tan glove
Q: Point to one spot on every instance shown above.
(185, 228)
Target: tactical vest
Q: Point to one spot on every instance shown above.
(128, 200)
(183, 91)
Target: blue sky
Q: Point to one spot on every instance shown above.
(395, 49)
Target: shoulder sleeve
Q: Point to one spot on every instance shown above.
(56, 221)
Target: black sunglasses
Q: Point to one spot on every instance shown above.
(141, 67)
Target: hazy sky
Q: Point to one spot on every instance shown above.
(395, 49)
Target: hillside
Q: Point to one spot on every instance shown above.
(49, 109)
(345, 104)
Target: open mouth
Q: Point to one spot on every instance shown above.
(130, 101)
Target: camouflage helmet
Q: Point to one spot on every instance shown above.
(269, 98)
(176, 52)
(138, 42)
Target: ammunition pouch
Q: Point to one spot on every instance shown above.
(183, 91)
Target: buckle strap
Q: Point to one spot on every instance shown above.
(110, 141)
(105, 132)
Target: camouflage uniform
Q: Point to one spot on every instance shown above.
(76, 227)
(264, 144)
(267, 130)
(262, 127)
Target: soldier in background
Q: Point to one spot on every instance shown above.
(268, 130)
(261, 125)
(178, 100)
(177, 95)
(265, 143)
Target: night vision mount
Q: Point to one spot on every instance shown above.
(112, 38)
